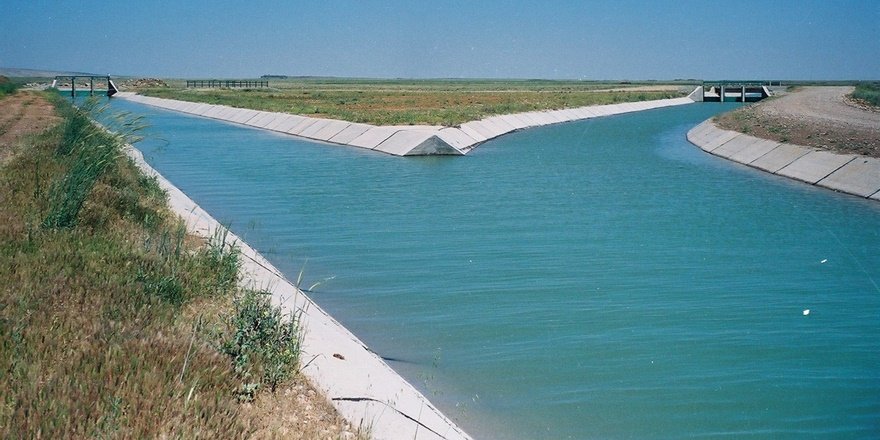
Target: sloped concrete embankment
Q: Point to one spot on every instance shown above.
(847, 173)
(362, 387)
(399, 140)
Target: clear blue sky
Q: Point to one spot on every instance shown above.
(612, 39)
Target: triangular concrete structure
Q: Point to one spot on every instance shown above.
(434, 146)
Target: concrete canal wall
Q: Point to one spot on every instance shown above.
(406, 140)
(848, 173)
(362, 387)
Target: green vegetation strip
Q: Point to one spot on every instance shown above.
(868, 93)
(113, 321)
(431, 102)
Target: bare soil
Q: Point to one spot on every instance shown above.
(819, 117)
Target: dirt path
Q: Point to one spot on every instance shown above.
(22, 114)
(820, 117)
(825, 105)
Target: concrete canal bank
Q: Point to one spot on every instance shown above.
(401, 140)
(848, 173)
(362, 387)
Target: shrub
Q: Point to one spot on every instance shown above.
(7, 87)
(263, 344)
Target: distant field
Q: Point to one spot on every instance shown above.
(431, 102)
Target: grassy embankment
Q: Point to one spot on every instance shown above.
(869, 93)
(113, 321)
(432, 102)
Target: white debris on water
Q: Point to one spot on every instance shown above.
(806, 312)
(823, 261)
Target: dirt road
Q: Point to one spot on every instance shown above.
(21, 114)
(826, 105)
(820, 117)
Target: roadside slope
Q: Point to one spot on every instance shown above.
(109, 324)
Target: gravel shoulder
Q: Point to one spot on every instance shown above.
(819, 117)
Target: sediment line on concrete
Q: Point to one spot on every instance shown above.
(846, 173)
(339, 364)
(407, 140)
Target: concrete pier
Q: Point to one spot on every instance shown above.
(401, 140)
(847, 173)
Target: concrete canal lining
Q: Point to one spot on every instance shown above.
(779, 157)
(752, 151)
(407, 140)
(860, 176)
(847, 173)
(815, 166)
(349, 133)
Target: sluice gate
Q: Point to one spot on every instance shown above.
(733, 92)
(111, 87)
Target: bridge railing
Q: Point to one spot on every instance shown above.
(229, 84)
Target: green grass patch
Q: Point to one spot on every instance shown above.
(112, 319)
(868, 92)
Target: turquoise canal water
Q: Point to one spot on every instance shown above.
(602, 279)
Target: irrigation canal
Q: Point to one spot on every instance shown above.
(596, 279)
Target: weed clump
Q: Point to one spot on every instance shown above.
(264, 345)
